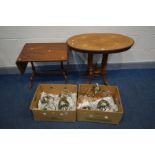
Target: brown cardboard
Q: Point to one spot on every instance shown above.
(46, 115)
(101, 116)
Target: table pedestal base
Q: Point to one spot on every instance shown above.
(93, 71)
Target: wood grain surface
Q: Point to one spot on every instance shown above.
(44, 52)
(100, 42)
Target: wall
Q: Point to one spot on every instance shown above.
(12, 40)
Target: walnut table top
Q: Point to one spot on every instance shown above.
(100, 42)
(41, 52)
(44, 52)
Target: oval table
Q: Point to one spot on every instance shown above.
(99, 43)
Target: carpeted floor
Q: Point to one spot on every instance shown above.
(137, 89)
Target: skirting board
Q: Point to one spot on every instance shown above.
(81, 67)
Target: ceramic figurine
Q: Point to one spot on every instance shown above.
(103, 105)
(96, 89)
(63, 104)
(45, 99)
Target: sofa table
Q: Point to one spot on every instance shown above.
(42, 52)
(99, 43)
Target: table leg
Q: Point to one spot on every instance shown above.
(90, 67)
(63, 72)
(103, 68)
(32, 76)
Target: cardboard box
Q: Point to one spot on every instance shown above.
(48, 115)
(100, 116)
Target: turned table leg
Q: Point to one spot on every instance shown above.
(32, 76)
(103, 68)
(90, 67)
(64, 72)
